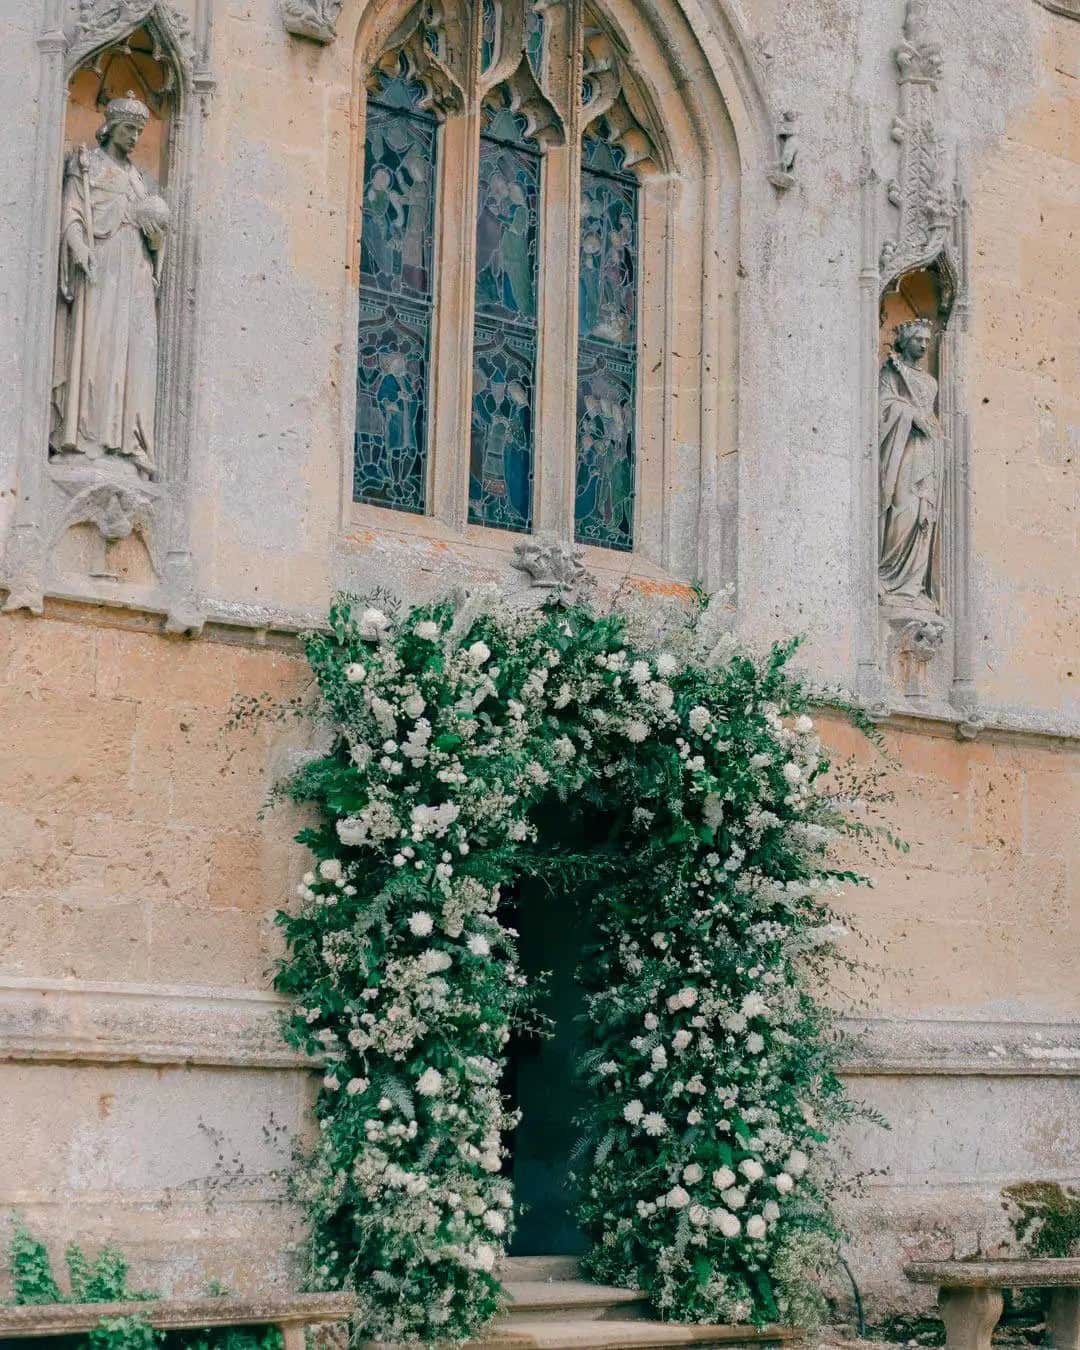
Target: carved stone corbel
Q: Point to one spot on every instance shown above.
(555, 567)
(314, 19)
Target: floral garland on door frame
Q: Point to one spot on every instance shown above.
(712, 1070)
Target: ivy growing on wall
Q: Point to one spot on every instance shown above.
(462, 733)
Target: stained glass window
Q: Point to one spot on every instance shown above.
(396, 292)
(534, 38)
(488, 33)
(607, 346)
(505, 324)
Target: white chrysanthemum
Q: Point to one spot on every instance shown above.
(355, 673)
(495, 1221)
(692, 1174)
(427, 630)
(633, 1111)
(753, 1005)
(479, 945)
(654, 1124)
(636, 731)
(677, 1198)
(755, 1227)
(755, 1043)
(784, 1182)
(478, 653)
(751, 1169)
(640, 673)
(430, 1082)
(666, 664)
(663, 696)
(484, 1257)
(421, 923)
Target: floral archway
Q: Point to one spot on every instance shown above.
(709, 896)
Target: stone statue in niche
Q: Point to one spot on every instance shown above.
(112, 243)
(911, 472)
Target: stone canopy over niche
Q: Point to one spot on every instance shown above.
(109, 396)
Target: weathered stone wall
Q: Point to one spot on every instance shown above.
(140, 1076)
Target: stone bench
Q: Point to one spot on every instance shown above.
(970, 1296)
(291, 1313)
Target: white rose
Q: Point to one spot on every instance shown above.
(771, 1211)
(429, 1084)
(698, 1215)
(692, 1173)
(755, 1227)
(330, 1083)
(723, 1177)
(727, 1223)
(784, 1183)
(698, 718)
(734, 1198)
(421, 923)
(478, 653)
(427, 630)
(651, 1021)
(681, 1040)
(373, 622)
(414, 705)
(751, 1169)
(355, 673)
(677, 1198)
(804, 725)
(355, 1085)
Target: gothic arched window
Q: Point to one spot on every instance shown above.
(500, 272)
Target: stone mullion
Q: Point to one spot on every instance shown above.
(452, 324)
(556, 402)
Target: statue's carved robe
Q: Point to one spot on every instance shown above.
(105, 366)
(911, 466)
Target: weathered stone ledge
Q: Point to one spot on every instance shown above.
(96, 1022)
(268, 627)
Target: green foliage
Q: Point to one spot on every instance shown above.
(104, 1280)
(675, 785)
(1045, 1217)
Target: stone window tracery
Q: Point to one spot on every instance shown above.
(501, 193)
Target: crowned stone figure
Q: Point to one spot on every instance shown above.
(113, 228)
(911, 468)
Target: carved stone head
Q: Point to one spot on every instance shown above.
(125, 119)
(912, 339)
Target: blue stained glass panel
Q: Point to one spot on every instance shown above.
(504, 335)
(488, 22)
(534, 39)
(607, 348)
(396, 289)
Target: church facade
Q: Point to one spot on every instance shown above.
(304, 296)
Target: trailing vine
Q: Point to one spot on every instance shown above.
(461, 731)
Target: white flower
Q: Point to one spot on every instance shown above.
(430, 1082)
(355, 1085)
(373, 623)
(633, 1111)
(427, 630)
(432, 962)
(654, 1124)
(692, 1173)
(698, 718)
(698, 1215)
(663, 696)
(723, 1177)
(355, 673)
(421, 923)
(753, 1005)
(659, 1058)
(636, 731)
(478, 653)
(770, 1211)
(734, 1198)
(797, 1162)
(751, 1169)
(666, 664)
(495, 1221)
(484, 1257)
(712, 811)
(414, 705)
(694, 1117)
(804, 725)
(330, 869)
(677, 1198)
(755, 1227)
(681, 1040)
(784, 1182)
(792, 772)
(755, 1043)
(330, 1083)
(479, 946)
(727, 1223)
(640, 672)
(608, 1068)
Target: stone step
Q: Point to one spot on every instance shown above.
(539, 1268)
(569, 1300)
(637, 1334)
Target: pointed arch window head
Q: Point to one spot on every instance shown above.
(503, 59)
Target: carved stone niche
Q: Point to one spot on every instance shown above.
(103, 479)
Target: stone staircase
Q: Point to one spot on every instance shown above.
(553, 1308)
